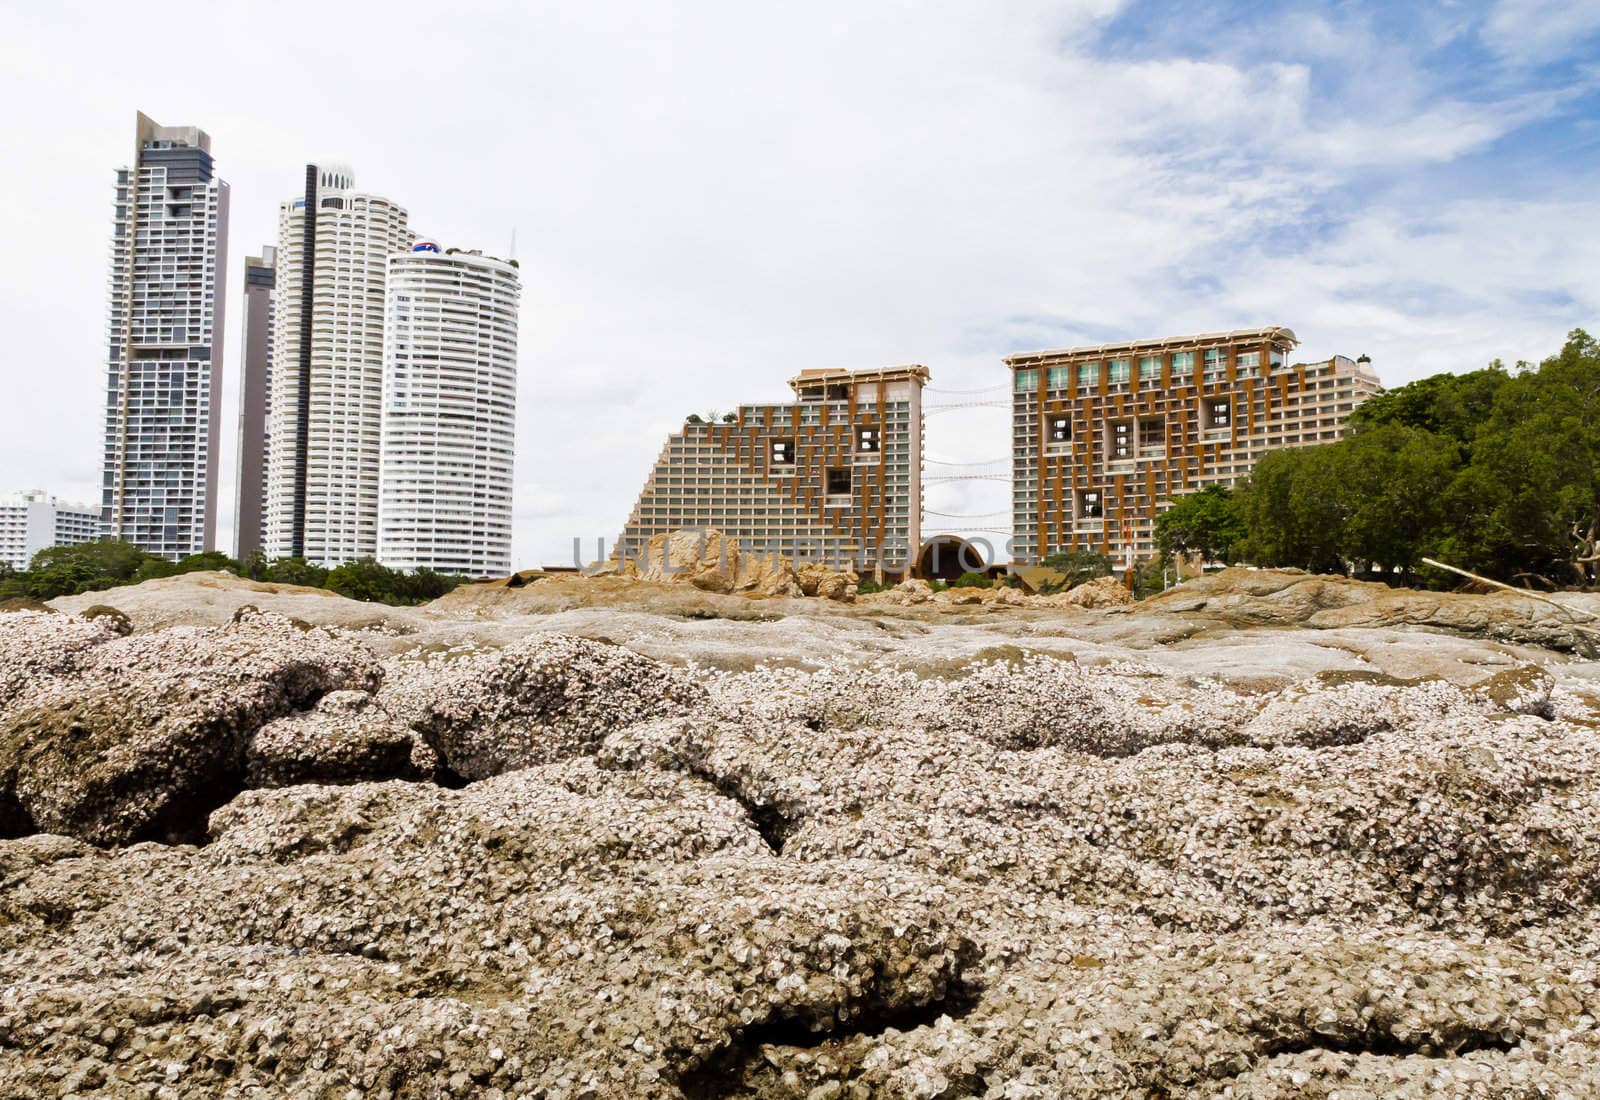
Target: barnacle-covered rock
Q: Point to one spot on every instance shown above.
(345, 739)
(138, 738)
(938, 864)
(542, 699)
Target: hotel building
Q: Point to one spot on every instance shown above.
(31, 522)
(449, 412)
(1103, 437)
(834, 475)
(333, 251)
(163, 403)
(255, 402)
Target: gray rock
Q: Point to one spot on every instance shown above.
(140, 736)
(541, 699)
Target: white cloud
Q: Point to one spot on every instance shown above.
(1531, 31)
(710, 197)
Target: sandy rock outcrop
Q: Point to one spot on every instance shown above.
(1097, 593)
(714, 562)
(905, 594)
(1249, 597)
(816, 579)
(140, 736)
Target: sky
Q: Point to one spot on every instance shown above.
(708, 197)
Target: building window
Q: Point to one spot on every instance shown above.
(838, 482)
(1060, 429)
(1217, 414)
(1058, 378)
(1091, 505)
(1027, 381)
(867, 441)
(1152, 435)
(1121, 440)
(1149, 368)
(1088, 374)
(1117, 371)
(1216, 362)
(781, 452)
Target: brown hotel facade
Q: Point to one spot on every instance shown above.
(834, 475)
(1104, 437)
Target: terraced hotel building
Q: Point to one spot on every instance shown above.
(1104, 437)
(833, 476)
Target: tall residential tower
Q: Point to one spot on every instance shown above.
(449, 412)
(334, 245)
(833, 476)
(255, 402)
(1105, 437)
(164, 344)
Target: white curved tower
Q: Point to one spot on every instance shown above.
(334, 245)
(449, 412)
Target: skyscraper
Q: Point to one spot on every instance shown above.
(1104, 437)
(164, 344)
(334, 245)
(255, 401)
(449, 412)
(833, 476)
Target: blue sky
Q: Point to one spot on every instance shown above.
(711, 196)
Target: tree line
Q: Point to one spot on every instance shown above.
(109, 563)
(1496, 471)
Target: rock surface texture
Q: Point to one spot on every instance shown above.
(929, 850)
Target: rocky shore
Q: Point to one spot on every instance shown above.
(1263, 837)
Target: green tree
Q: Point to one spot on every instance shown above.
(295, 571)
(1207, 523)
(1529, 500)
(254, 565)
(1078, 566)
(366, 579)
(1451, 405)
(83, 567)
(1293, 512)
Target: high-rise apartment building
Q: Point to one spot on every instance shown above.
(33, 521)
(334, 245)
(164, 344)
(835, 475)
(1104, 437)
(449, 412)
(255, 402)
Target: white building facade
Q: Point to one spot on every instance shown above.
(163, 403)
(326, 396)
(33, 521)
(449, 412)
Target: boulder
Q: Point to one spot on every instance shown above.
(706, 559)
(712, 562)
(905, 594)
(345, 739)
(1100, 592)
(817, 579)
(139, 738)
(542, 699)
